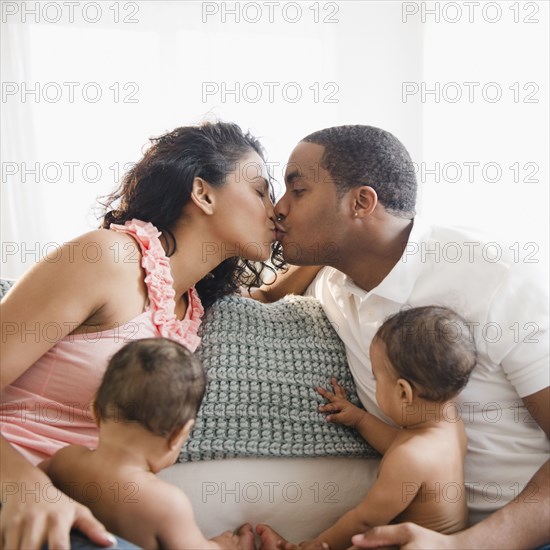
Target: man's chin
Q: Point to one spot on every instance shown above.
(294, 255)
(309, 252)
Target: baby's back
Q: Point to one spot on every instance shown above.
(116, 498)
(440, 503)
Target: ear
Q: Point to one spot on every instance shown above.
(202, 196)
(177, 439)
(405, 391)
(364, 201)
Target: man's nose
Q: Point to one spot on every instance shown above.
(281, 208)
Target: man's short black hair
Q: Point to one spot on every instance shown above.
(357, 155)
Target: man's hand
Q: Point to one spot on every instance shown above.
(407, 536)
(340, 409)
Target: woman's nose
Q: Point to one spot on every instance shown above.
(270, 210)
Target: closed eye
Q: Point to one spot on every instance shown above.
(298, 192)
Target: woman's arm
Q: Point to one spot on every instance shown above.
(53, 298)
(27, 496)
(56, 296)
(293, 281)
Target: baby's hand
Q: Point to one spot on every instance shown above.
(340, 409)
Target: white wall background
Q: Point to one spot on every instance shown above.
(152, 61)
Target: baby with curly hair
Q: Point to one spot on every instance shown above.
(421, 359)
(145, 408)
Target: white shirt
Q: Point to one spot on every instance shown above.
(508, 315)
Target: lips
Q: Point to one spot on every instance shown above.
(280, 231)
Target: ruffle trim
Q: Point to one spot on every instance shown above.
(160, 287)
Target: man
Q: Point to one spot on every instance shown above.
(350, 205)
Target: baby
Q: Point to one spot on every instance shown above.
(145, 409)
(421, 359)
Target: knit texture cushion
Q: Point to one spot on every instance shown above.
(264, 362)
(5, 285)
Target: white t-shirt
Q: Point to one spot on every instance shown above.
(508, 314)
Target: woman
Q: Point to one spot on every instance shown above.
(198, 200)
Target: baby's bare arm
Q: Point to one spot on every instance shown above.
(172, 516)
(399, 480)
(379, 434)
(44, 465)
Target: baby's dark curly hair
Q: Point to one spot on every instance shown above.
(431, 347)
(154, 381)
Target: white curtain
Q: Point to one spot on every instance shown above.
(282, 70)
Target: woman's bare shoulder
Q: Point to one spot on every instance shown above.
(82, 281)
(103, 247)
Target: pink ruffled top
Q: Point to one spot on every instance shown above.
(160, 287)
(48, 406)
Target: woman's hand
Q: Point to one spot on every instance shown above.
(34, 511)
(39, 513)
(340, 409)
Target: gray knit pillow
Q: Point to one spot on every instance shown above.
(5, 285)
(264, 362)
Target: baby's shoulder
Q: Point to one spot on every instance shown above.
(69, 453)
(420, 449)
(69, 465)
(163, 498)
(406, 453)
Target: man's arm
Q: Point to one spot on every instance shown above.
(293, 281)
(538, 405)
(522, 523)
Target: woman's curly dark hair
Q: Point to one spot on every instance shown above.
(158, 187)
